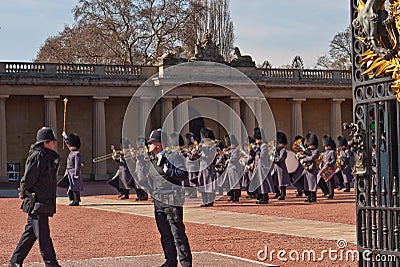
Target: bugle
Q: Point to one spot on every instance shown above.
(126, 153)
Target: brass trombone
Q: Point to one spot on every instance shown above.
(129, 152)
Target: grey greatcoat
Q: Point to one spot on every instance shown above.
(328, 158)
(280, 172)
(192, 166)
(142, 172)
(310, 176)
(233, 172)
(262, 168)
(73, 171)
(207, 175)
(346, 165)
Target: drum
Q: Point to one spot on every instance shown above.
(328, 173)
(291, 162)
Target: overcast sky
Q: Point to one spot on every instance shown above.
(265, 29)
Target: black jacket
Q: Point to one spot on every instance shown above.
(40, 178)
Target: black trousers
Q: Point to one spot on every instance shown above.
(74, 196)
(169, 220)
(37, 228)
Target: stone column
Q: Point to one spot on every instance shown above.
(146, 125)
(234, 123)
(50, 113)
(166, 108)
(249, 115)
(182, 118)
(336, 118)
(99, 137)
(297, 118)
(3, 139)
(258, 107)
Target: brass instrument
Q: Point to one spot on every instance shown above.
(339, 158)
(126, 153)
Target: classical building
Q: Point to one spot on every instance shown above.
(31, 96)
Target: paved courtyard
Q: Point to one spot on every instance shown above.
(105, 231)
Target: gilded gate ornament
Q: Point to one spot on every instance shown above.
(378, 23)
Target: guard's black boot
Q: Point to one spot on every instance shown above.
(313, 196)
(138, 194)
(299, 193)
(144, 196)
(264, 199)
(308, 195)
(277, 192)
(236, 195)
(283, 193)
(347, 185)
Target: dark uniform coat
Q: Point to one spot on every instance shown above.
(280, 172)
(40, 178)
(346, 165)
(142, 171)
(73, 171)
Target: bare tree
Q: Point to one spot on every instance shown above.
(339, 52)
(134, 32)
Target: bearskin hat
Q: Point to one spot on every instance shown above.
(311, 139)
(328, 141)
(207, 133)
(341, 141)
(140, 142)
(190, 138)
(74, 140)
(258, 134)
(281, 138)
(230, 139)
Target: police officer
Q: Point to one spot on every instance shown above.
(73, 169)
(38, 191)
(168, 195)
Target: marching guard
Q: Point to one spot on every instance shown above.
(308, 159)
(141, 169)
(192, 165)
(345, 156)
(73, 169)
(262, 165)
(123, 179)
(207, 174)
(280, 174)
(233, 172)
(327, 170)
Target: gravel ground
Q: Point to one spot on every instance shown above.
(82, 233)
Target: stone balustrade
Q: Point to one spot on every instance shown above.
(140, 72)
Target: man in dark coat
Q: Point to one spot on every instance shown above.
(168, 196)
(142, 169)
(38, 190)
(73, 169)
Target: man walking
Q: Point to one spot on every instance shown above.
(168, 194)
(38, 191)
